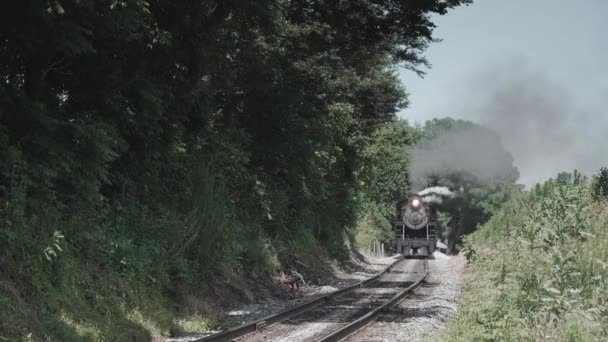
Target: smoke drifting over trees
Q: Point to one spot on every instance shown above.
(546, 125)
(466, 164)
(460, 147)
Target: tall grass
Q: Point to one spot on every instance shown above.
(539, 269)
(130, 270)
(112, 274)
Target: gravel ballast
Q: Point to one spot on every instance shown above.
(419, 315)
(325, 319)
(424, 312)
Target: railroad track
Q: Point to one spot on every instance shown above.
(340, 313)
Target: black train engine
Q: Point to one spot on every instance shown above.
(415, 227)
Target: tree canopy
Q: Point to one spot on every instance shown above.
(470, 160)
(160, 138)
(465, 157)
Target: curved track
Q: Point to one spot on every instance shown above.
(377, 312)
(336, 315)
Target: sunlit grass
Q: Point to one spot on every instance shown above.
(82, 328)
(195, 323)
(151, 326)
(539, 270)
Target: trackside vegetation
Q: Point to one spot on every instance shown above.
(460, 155)
(539, 267)
(149, 148)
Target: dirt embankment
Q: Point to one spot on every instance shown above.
(418, 316)
(241, 300)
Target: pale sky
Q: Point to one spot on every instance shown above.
(536, 71)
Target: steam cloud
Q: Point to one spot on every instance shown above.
(432, 199)
(435, 194)
(472, 150)
(437, 190)
(546, 125)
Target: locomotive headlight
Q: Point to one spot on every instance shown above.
(416, 202)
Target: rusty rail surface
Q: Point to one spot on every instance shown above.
(374, 314)
(259, 324)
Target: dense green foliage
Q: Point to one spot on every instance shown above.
(600, 184)
(385, 182)
(144, 144)
(539, 268)
(470, 160)
(465, 157)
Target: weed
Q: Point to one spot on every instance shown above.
(546, 277)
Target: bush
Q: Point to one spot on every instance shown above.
(600, 184)
(539, 270)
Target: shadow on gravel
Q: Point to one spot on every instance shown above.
(352, 267)
(402, 315)
(402, 272)
(322, 316)
(391, 284)
(429, 257)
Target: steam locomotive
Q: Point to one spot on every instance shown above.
(415, 227)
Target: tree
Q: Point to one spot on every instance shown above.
(190, 133)
(102, 99)
(385, 178)
(468, 159)
(600, 184)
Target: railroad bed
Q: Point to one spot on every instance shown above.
(336, 315)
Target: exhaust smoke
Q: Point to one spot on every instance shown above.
(436, 194)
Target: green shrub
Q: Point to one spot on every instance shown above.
(539, 269)
(600, 184)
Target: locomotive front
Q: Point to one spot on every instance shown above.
(415, 227)
(415, 213)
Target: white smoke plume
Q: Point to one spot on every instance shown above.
(432, 199)
(546, 123)
(436, 194)
(437, 190)
(463, 150)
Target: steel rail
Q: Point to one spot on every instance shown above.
(260, 324)
(371, 316)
